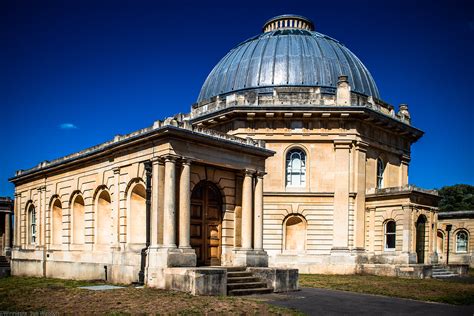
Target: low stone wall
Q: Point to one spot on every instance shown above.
(197, 281)
(412, 271)
(281, 280)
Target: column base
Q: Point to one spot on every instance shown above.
(170, 257)
(250, 258)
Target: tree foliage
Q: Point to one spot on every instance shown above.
(459, 197)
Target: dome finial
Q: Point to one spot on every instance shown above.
(288, 21)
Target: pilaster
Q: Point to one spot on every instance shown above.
(360, 183)
(116, 208)
(341, 196)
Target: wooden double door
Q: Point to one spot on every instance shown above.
(206, 223)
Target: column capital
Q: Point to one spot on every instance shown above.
(260, 174)
(249, 172)
(342, 144)
(41, 188)
(170, 158)
(186, 161)
(116, 170)
(156, 160)
(361, 146)
(405, 159)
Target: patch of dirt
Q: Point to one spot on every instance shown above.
(130, 301)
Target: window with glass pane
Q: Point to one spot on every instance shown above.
(32, 215)
(461, 241)
(390, 234)
(380, 170)
(296, 168)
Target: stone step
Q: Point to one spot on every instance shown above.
(246, 279)
(444, 273)
(238, 274)
(235, 269)
(242, 286)
(263, 290)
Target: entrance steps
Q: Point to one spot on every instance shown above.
(440, 272)
(242, 282)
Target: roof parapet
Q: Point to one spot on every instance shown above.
(179, 121)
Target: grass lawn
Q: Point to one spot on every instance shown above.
(62, 296)
(460, 292)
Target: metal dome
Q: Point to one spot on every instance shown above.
(288, 53)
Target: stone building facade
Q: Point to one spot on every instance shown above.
(455, 237)
(288, 159)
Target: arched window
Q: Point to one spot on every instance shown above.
(57, 227)
(461, 241)
(296, 168)
(380, 170)
(390, 235)
(31, 225)
(295, 234)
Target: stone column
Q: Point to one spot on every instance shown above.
(169, 218)
(360, 181)
(341, 196)
(185, 205)
(247, 210)
(258, 210)
(7, 233)
(155, 161)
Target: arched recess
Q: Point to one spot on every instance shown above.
(78, 220)
(57, 222)
(136, 214)
(440, 243)
(103, 218)
(421, 238)
(294, 228)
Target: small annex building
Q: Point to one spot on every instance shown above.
(289, 159)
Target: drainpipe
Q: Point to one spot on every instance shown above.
(448, 229)
(141, 274)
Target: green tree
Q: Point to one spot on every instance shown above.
(459, 197)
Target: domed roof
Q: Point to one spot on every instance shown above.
(288, 53)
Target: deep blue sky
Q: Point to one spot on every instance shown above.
(112, 67)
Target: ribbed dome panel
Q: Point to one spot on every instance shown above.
(287, 57)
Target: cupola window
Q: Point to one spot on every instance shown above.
(380, 171)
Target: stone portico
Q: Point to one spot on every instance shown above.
(144, 219)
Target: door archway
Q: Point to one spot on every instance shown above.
(420, 239)
(206, 223)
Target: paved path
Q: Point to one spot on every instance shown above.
(314, 301)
